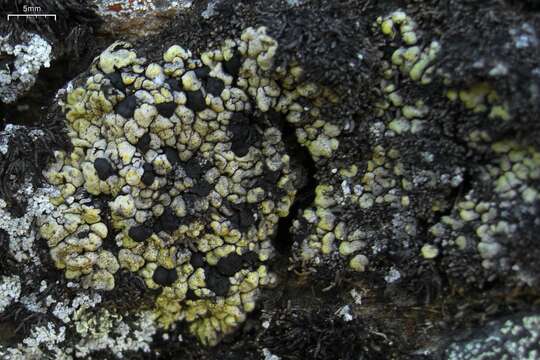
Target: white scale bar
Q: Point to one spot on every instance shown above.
(30, 15)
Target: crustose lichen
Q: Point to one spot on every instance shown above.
(179, 174)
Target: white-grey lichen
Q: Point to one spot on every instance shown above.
(96, 331)
(10, 290)
(43, 342)
(63, 310)
(345, 313)
(267, 355)
(210, 10)
(19, 229)
(29, 57)
(10, 131)
(108, 331)
(512, 339)
(393, 275)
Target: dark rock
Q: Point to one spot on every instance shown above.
(214, 86)
(193, 168)
(242, 217)
(232, 66)
(144, 143)
(103, 168)
(190, 295)
(172, 155)
(148, 176)
(202, 188)
(269, 180)
(202, 72)
(140, 233)
(246, 218)
(244, 135)
(195, 100)
(126, 107)
(197, 260)
(230, 264)
(239, 148)
(116, 80)
(164, 277)
(174, 84)
(216, 282)
(83, 234)
(168, 221)
(251, 259)
(166, 109)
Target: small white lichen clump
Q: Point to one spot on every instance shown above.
(96, 329)
(42, 340)
(10, 132)
(10, 290)
(19, 229)
(30, 56)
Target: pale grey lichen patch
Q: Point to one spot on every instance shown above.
(63, 310)
(20, 230)
(33, 304)
(43, 342)
(10, 290)
(134, 8)
(108, 331)
(393, 275)
(517, 338)
(29, 57)
(294, 3)
(210, 9)
(94, 330)
(267, 355)
(345, 313)
(10, 131)
(524, 36)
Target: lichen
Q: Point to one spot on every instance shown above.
(514, 338)
(389, 180)
(10, 290)
(20, 230)
(385, 180)
(25, 60)
(181, 165)
(487, 224)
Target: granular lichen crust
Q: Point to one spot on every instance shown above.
(488, 225)
(370, 198)
(513, 338)
(179, 174)
(389, 198)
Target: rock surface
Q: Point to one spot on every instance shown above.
(278, 180)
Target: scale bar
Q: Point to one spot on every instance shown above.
(30, 15)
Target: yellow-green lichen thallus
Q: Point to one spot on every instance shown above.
(191, 176)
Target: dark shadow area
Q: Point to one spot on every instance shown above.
(300, 159)
(526, 5)
(30, 109)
